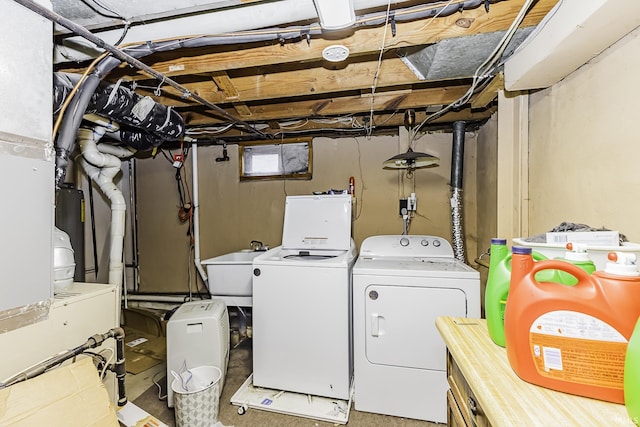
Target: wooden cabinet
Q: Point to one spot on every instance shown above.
(463, 407)
(484, 390)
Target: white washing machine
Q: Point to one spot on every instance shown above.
(302, 301)
(401, 284)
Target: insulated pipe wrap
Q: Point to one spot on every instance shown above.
(150, 123)
(457, 155)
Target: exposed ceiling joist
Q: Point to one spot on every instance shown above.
(271, 82)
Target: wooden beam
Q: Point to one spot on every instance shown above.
(243, 110)
(389, 121)
(361, 42)
(340, 105)
(223, 82)
(301, 82)
(489, 93)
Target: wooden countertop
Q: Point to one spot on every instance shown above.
(506, 399)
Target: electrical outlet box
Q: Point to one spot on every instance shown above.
(412, 203)
(403, 210)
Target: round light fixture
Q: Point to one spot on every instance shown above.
(411, 160)
(335, 53)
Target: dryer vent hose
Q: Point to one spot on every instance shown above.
(457, 226)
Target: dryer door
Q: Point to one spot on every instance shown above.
(401, 324)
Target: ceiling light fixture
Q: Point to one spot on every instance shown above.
(335, 14)
(335, 53)
(411, 160)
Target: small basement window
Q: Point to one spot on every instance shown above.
(288, 159)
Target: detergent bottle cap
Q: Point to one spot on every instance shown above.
(496, 241)
(622, 264)
(521, 250)
(576, 252)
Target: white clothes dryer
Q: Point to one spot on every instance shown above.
(302, 301)
(401, 284)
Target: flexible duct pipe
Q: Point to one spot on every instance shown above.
(102, 168)
(196, 215)
(151, 123)
(457, 158)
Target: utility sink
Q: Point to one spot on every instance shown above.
(231, 274)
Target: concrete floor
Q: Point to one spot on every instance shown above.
(142, 391)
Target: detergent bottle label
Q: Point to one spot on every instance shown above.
(578, 348)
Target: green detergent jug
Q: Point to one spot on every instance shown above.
(632, 376)
(497, 289)
(499, 278)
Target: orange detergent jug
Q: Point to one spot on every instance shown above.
(572, 338)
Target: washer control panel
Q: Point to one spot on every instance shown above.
(406, 246)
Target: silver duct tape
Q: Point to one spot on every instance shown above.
(29, 314)
(457, 225)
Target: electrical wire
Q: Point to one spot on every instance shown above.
(157, 384)
(127, 25)
(484, 71)
(190, 264)
(348, 119)
(97, 10)
(363, 186)
(73, 92)
(208, 130)
(114, 15)
(374, 84)
(384, 46)
(438, 13)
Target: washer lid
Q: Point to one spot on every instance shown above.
(317, 222)
(303, 257)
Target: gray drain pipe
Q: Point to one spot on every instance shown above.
(457, 159)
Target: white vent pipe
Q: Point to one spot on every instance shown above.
(102, 163)
(196, 215)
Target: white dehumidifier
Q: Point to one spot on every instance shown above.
(197, 335)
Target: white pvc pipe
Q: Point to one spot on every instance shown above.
(102, 168)
(196, 215)
(156, 298)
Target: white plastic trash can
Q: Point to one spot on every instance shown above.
(197, 396)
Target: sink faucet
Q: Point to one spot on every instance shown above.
(257, 245)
